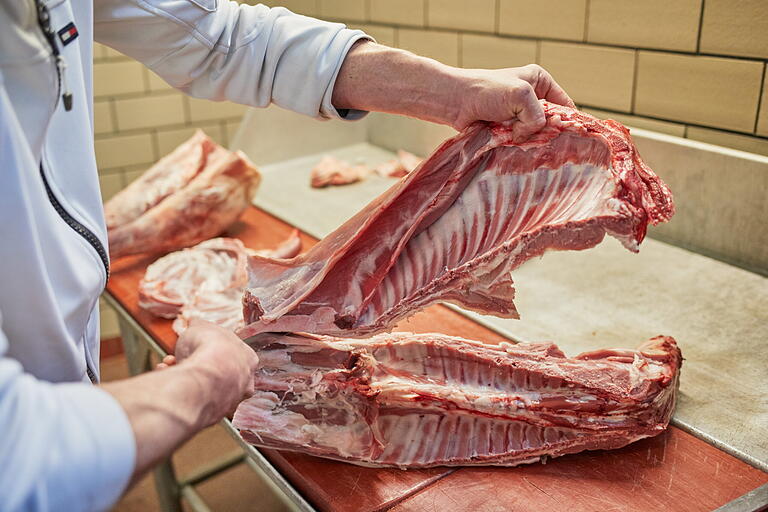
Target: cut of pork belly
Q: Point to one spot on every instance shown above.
(421, 400)
(211, 201)
(454, 228)
(169, 175)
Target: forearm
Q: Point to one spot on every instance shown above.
(378, 78)
(165, 409)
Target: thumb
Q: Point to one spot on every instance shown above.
(529, 113)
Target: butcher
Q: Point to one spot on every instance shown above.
(69, 442)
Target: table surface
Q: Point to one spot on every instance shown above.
(674, 470)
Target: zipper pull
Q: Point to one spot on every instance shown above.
(66, 94)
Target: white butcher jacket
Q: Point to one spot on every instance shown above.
(64, 443)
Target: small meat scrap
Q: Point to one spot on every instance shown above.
(330, 171)
(422, 400)
(205, 281)
(400, 166)
(189, 196)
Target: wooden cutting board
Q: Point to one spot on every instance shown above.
(673, 471)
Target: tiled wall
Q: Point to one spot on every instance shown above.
(692, 68)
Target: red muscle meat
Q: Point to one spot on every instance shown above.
(421, 400)
(189, 196)
(454, 228)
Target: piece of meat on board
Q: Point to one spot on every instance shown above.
(169, 175)
(421, 400)
(212, 200)
(205, 281)
(330, 171)
(455, 228)
(401, 166)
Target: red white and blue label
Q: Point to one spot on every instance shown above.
(68, 34)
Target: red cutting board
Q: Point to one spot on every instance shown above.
(673, 471)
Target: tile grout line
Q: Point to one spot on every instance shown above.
(585, 36)
(760, 98)
(635, 73)
(701, 25)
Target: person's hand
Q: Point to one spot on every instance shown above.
(226, 365)
(508, 94)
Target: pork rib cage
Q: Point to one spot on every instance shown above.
(421, 400)
(455, 228)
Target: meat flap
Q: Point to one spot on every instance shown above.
(455, 227)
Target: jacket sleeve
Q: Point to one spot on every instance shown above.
(223, 50)
(62, 445)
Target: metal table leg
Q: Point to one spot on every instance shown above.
(166, 483)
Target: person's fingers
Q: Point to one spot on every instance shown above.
(528, 111)
(547, 88)
(161, 366)
(169, 360)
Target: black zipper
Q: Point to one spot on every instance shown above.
(76, 225)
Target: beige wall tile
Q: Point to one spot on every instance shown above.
(382, 34)
(477, 15)
(108, 321)
(556, 19)
(442, 46)
(353, 10)
(593, 75)
(111, 78)
(102, 117)
(655, 125)
(711, 91)
(398, 12)
(123, 150)
(155, 82)
(149, 112)
(757, 145)
(206, 110)
(131, 173)
(99, 51)
(667, 24)
(110, 184)
(306, 7)
(735, 27)
(762, 120)
(478, 51)
(168, 140)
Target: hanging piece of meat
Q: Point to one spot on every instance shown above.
(189, 196)
(454, 228)
(205, 281)
(421, 400)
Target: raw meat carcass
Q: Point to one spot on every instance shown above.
(330, 171)
(189, 196)
(455, 228)
(421, 400)
(401, 166)
(205, 281)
